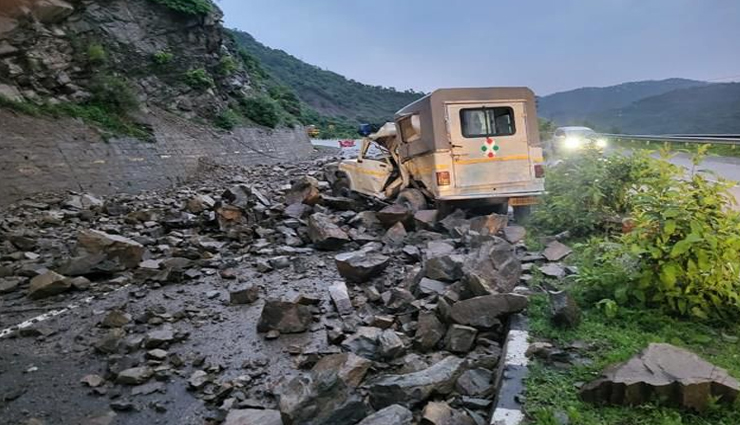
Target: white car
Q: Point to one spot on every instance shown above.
(569, 139)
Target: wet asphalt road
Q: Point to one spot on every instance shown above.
(40, 376)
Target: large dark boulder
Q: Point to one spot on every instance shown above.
(413, 388)
(284, 317)
(484, 312)
(663, 372)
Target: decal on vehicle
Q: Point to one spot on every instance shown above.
(490, 148)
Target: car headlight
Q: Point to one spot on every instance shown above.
(601, 143)
(572, 143)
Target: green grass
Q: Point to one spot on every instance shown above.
(552, 390)
(112, 123)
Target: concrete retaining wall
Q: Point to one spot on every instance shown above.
(43, 155)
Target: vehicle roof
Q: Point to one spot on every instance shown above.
(468, 93)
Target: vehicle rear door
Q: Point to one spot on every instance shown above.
(489, 143)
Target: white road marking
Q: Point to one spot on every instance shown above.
(53, 313)
(507, 417)
(517, 346)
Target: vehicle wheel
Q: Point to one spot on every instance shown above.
(413, 199)
(521, 214)
(341, 187)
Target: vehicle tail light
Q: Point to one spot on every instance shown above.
(539, 171)
(443, 178)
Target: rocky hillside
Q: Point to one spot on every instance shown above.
(329, 94)
(106, 61)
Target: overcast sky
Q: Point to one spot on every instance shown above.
(544, 44)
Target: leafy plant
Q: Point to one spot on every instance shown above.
(163, 57)
(113, 93)
(227, 65)
(682, 251)
(228, 119)
(188, 7)
(96, 54)
(199, 79)
(588, 192)
(262, 110)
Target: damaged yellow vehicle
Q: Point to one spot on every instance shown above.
(456, 148)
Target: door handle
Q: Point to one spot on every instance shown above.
(458, 146)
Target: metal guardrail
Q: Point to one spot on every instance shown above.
(713, 139)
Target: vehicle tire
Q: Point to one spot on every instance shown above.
(412, 199)
(341, 187)
(521, 214)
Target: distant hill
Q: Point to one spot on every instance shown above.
(328, 93)
(578, 106)
(708, 109)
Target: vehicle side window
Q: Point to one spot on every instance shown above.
(487, 122)
(410, 128)
(559, 133)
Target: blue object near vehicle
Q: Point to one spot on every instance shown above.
(365, 130)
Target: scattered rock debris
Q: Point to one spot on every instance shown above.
(270, 300)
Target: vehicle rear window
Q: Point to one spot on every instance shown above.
(487, 122)
(410, 128)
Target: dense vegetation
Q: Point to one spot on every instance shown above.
(655, 246)
(332, 102)
(188, 7)
(659, 238)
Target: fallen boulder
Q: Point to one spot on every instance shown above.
(339, 294)
(429, 331)
(47, 285)
(305, 190)
(556, 251)
(391, 415)
(489, 224)
(495, 267)
(253, 417)
(350, 368)
(665, 372)
(564, 310)
(392, 214)
(320, 398)
(514, 234)
(413, 388)
(284, 317)
(104, 252)
(325, 234)
(360, 266)
(364, 342)
(484, 312)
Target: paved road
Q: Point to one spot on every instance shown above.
(725, 167)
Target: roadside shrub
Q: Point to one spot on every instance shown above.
(587, 193)
(163, 57)
(287, 99)
(188, 7)
(96, 54)
(227, 65)
(228, 119)
(113, 93)
(683, 252)
(199, 79)
(262, 110)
